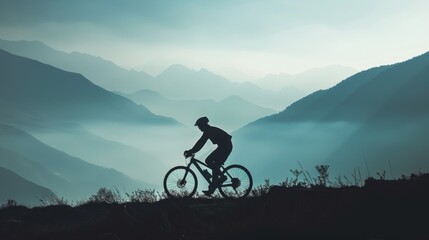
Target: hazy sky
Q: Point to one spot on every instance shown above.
(231, 37)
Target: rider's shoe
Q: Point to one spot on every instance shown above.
(211, 190)
(222, 179)
(212, 186)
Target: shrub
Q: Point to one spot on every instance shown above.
(147, 195)
(295, 182)
(323, 177)
(9, 203)
(105, 195)
(49, 200)
(262, 189)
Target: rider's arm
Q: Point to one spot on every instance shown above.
(199, 144)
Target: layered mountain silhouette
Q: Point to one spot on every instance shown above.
(307, 81)
(374, 121)
(14, 187)
(101, 72)
(59, 107)
(394, 91)
(66, 175)
(32, 170)
(94, 149)
(176, 82)
(179, 82)
(31, 89)
(233, 112)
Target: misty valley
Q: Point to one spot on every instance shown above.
(71, 124)
(208, 120)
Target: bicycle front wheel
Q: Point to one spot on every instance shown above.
(238, 184)
(180, 182)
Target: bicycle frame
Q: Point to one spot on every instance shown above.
(197, 163)
(236, 179)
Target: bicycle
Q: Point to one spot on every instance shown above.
(181, 181)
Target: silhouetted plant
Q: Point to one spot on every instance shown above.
(348, 181)
(357, 177)
(367, 168)
(9, 203)
(413, 176)
(339, 182)
(390, 168)
(296, 173)
(49, 200)
(162, 195)
(261, 189)
(147, 195)
(307, 176)
(382, 175)
(179, 194)
(323, 177)
(105, 195)
(287, 183)
(294, 182)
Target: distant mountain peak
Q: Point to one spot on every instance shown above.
(148, 93)
(205, 70)
(233, 98)
(177, 67)
(182, 69)
(26, 45)
(144, 91)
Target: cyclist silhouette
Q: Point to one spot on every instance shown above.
(218, 156)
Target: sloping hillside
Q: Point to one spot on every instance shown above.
(14, 187)
(374, 121)
(379, 210)
(33, 171)
(60, 107)
(82, 177)
(42, 92)
(102, 72)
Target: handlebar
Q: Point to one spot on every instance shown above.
(190, 155)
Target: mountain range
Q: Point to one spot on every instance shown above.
(55, 105)
(307, 81)
(177, 82)
(232, 112)
(65, 175)
(39, 91)
(58, 107)
(101, 72)
(181, 83)
(63, 132)
(375, 122)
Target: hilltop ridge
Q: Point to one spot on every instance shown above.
(380, 210)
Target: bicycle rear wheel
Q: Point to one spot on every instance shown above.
(238, 184)
(176, 184)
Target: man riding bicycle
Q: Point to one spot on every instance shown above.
(218, 156)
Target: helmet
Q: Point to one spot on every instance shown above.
(202, 121)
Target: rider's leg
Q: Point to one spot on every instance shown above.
(210, 161)
(215, 161)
